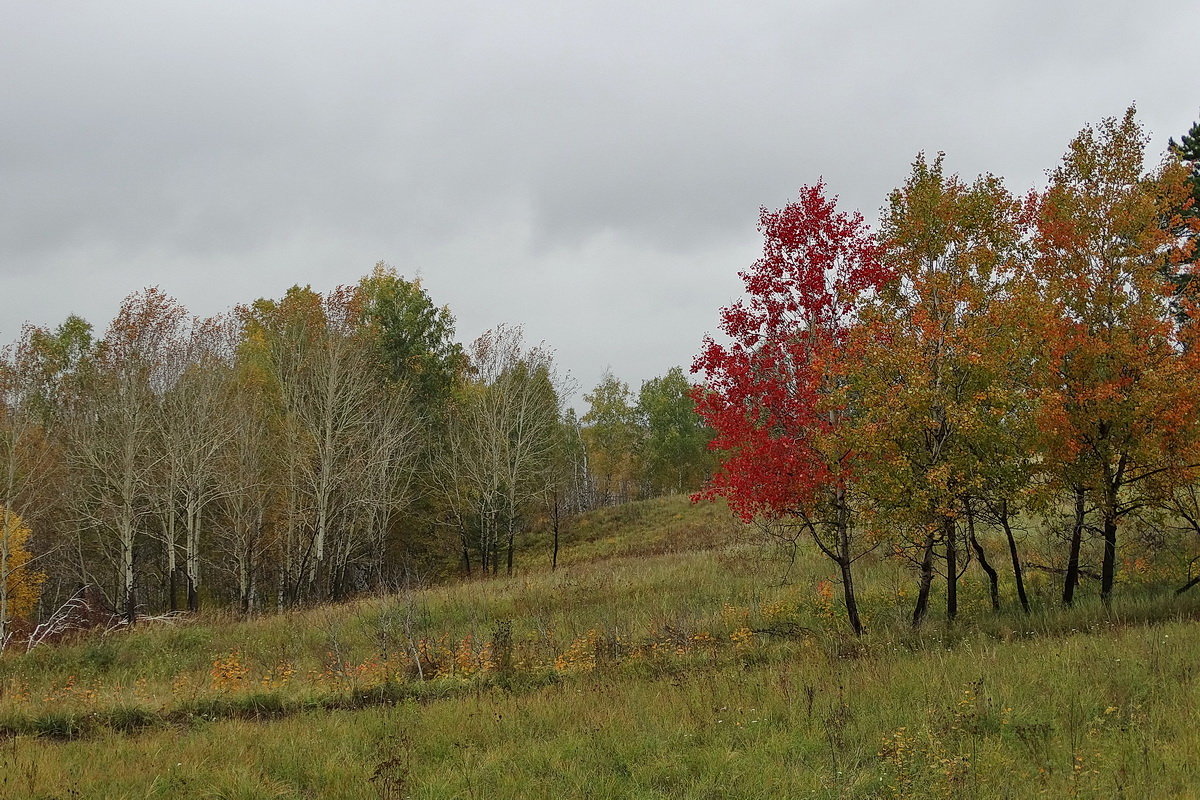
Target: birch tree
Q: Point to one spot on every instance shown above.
(496, 459)
(114, 450)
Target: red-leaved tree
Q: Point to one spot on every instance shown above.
(771, 394)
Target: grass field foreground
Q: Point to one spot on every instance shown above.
(663, 659)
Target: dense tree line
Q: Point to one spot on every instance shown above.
(294, 450)
(980, 356)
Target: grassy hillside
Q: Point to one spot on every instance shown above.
(665, 658)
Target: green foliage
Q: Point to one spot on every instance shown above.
(416, 337)
(49, 357)
(1188, 151)
(611, 433)
(673, 451)
(654, 446)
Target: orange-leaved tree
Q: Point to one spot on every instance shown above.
(1119, 387)
(937, 407)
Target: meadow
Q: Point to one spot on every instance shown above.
(670, 655)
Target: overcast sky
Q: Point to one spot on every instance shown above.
(591, 171)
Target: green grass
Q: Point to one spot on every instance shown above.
(663, 659)
(1061, 717)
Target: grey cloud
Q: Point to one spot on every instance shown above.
(593, 170)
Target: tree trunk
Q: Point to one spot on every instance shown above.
(172, 566)
(1018, 574)
(1108, 566)
(845, 560)
(127, 576)
(851, 598)
(950, 533)
(6, 531)
(922, 605)
(243, 569)
(192, 555)
(993, 580)
(466, 552)
(512, 534)
(555, 518)
(281, 590)
(1072, 577)
(1187, 585)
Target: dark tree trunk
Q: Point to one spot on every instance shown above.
(1108, 566)
(851, 599)
(512, 534)
(845, 561)
(922, 606)
(466, 559)
(1187, 585)
(1072, 577)
(950, 533)
(555, 518)
(337, 575)
(993, 580)
(1018, 573)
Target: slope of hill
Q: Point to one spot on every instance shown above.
(664, 658)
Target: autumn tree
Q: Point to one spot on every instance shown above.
(568, 491)
(20, 438)
(775, 394)
(249, 478)
(194, 414)
(37, 374)
(20, 581)
(1120, 393)
(931, 383)
(29, 464)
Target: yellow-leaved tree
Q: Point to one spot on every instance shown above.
(20, 585)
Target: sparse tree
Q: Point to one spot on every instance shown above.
(114, 450)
